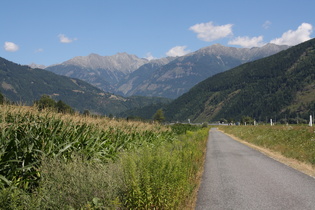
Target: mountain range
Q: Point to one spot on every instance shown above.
(281, 86)
(22, 84)
(169, 77)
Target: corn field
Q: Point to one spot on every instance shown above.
(32, 142)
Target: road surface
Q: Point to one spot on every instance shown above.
(239, 177)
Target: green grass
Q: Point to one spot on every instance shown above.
(54, 161)
(162, 177)
(296, 142)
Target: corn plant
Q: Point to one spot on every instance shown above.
(27, 137)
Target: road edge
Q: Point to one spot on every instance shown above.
(305, 168)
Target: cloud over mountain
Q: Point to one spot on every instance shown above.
(209, 32)
(291, 37)
(247, 42)
(177, 51)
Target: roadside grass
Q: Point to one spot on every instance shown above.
(55, 161)
(164, 177)
(297, 142)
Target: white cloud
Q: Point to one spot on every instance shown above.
(64, 39)
(39, 50)
(266, 24)
(209, 32)
(149, 56)
(247, 41)
(291, 38)
(177, 51)
(10, 47)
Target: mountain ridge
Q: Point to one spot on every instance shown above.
(280, 86)
(168, 77)
(178, 76)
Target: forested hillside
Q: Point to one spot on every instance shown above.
(281, 86)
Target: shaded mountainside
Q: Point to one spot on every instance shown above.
(279, 86)
(178, 76)
(25, 85)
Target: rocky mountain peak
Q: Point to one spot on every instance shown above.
(37, 66)
(245, 54)
(122, 62)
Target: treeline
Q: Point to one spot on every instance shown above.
(45, 102)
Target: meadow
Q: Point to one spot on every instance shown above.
(291, 141)
(57, 161)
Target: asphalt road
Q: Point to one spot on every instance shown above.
(239, 177)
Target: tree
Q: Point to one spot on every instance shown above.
(63, 107)
(1, 98)
(86, 112)
(45, 102)
(247, 120)
(159, 116)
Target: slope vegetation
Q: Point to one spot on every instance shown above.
(279, 86)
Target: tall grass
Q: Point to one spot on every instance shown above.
(54, 161)
(163, 176)
(296, 142)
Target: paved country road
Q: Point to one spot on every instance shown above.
(239, 177)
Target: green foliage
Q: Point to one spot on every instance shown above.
(47, 161)
(264, 88)
(159, 116)
(161, 176)
(45, 102)
(180, 129)
(1, 98)
(143, 112)
(247, 120)
(78, 184)
(291, 141)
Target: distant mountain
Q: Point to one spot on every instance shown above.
(281, 86)
(24, 85)
(127, 85)
(37, 66)
(178, 76)
(169, 77)
(103, 72)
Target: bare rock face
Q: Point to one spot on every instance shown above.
(121, 62)
(103, 72)
(37, 66)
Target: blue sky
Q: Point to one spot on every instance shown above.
(49, 32)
